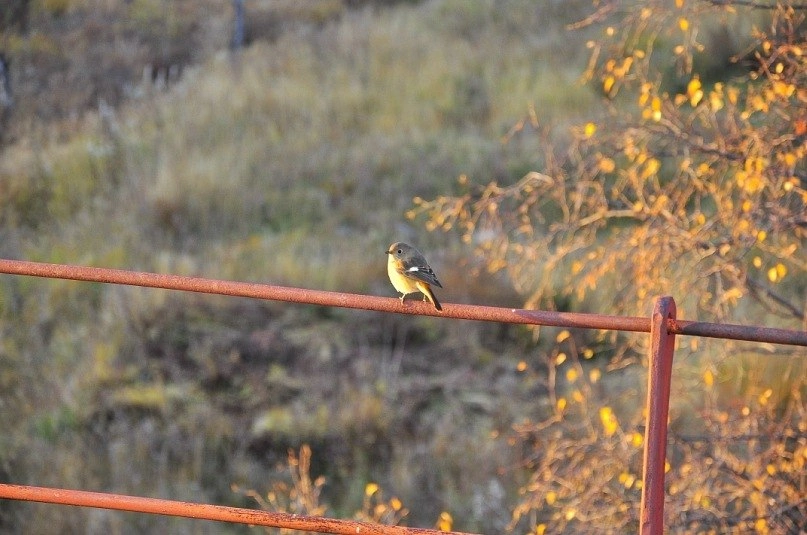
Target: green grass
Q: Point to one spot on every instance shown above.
(294, 161)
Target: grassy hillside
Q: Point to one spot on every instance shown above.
(292, 161)
(331, 126)
(139, 140)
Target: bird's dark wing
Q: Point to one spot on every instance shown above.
(420, 272)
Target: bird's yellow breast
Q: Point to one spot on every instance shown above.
(402, 283)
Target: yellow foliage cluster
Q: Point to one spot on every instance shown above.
(586, 461)
(696, 189)
(301, 495)
(296, 493)
(376, 509)
(676, 194)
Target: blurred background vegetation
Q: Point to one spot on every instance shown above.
(136, 137)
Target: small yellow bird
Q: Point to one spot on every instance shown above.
(409, 272)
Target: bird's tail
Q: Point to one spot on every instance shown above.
(427, 291)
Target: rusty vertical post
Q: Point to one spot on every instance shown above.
(662, 345)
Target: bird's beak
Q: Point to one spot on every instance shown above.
(387, 252)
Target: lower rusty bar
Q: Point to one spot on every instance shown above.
(137, 504)
(662, 346)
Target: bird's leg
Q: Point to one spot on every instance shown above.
(403, 296)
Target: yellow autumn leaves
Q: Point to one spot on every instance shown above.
(610, 424)
(607, 417)
(376, 509)
(649, 102)
(777, 272)
(445, 522)
(751, 178)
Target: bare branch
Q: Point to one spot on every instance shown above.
(756, 286)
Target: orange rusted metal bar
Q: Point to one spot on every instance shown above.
(387, 304)
(319, 297)
(201, 511)
(729, 331)
(662, 346)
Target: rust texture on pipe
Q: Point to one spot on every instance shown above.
(738, 332)
(659, 376)
(319, 297)
(200, 511)
(387, 304)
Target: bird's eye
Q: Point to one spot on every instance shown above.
(400, 251)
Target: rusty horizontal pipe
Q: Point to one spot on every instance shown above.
(387, 304)
(319, 297)
(749, 333)
(201, 511)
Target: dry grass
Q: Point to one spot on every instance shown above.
(292, 162)
(334, 132)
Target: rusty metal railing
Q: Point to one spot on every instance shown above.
(663, 326)
(203, 511)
